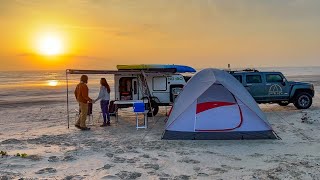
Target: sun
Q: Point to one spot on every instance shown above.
(50, 45)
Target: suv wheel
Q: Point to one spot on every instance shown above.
(303, 101)
(284, 103)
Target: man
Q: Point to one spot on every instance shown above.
(82, 95)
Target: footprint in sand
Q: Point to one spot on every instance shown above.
(150, 166)
(128, 175)
(8, 175)
(154, 159)
(69, 158)
(218, 171)
(34, 157)
(110, 177)
(75, 177)
(290, 155)
(182, 153)
(162, 155)
(151, 173)
(145, 156)
(46, 170)
(107, 166)
(110, 155)
(163, 176)
(118, 159)
(182, 177)
(256, 155)
(53, 159)
(11, 141)
(188, 160)
(201, 174)
(119, 151)
(131, 149)
(196, 169)
(132, 160)
(209, 152)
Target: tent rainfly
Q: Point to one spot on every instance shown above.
(214, 105)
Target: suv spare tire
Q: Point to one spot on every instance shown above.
(303, 101)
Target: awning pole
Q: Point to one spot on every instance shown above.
(67, 98)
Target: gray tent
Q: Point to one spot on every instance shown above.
(214, 105)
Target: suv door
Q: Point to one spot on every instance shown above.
(277, 86)
(254, 84)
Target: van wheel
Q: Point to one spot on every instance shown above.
(303, 101)
(154, 109)
(283, 103)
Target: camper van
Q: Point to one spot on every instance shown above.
(163, 88)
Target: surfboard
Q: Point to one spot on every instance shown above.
(178, 68)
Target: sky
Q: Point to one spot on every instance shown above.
(99, 34)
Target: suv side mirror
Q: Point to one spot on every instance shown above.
(283, 82)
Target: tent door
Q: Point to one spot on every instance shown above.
(219, 119)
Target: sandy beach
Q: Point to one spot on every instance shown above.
(122, 152)
(142, 52)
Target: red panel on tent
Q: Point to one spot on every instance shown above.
(210, 105)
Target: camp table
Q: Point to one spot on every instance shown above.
(131, 102)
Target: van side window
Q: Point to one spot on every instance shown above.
(253, 79)
(274, 78)
(238, 77)
(159, 83)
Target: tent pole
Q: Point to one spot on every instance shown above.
(67, 98)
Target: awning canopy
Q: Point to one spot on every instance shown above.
(150, 71)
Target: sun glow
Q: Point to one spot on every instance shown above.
(52, 83)
(50, 45)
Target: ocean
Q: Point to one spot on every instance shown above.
(20, 88)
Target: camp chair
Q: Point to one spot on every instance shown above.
(139, 108)
(90, 115)
(111, 109)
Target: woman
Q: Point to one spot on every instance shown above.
(104, 95)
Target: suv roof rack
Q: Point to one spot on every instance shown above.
(244, 70)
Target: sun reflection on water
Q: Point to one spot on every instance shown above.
(52, 82)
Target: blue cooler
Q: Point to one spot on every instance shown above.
(138, 107)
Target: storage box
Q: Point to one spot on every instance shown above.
(138, 107)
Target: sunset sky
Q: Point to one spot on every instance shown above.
(98, 34)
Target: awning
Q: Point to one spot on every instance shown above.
(150, 71)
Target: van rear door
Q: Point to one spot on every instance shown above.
(160, 88)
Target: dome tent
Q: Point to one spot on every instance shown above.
(214, 105)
